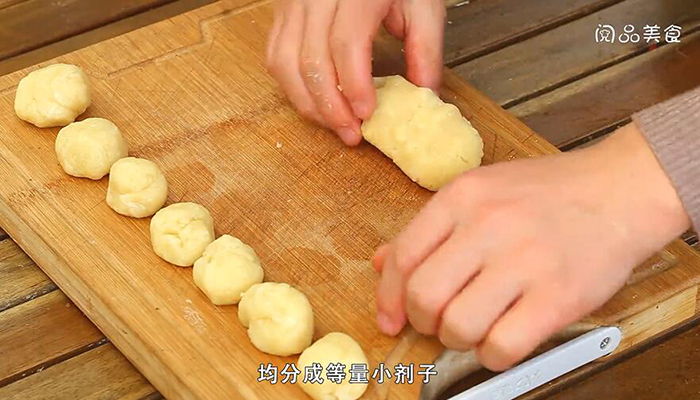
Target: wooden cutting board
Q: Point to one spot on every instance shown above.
(191, 93)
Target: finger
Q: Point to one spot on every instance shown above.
(319, 73)
(391, 302)
(380, 257)
(352, 34)
(284, 61)
(432, 225)
(538, 315)
(439, 278)
(470, 315)
(274, 32)
(395, 22)
(424, 43)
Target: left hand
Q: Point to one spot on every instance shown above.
(320, 52)
(507, 255)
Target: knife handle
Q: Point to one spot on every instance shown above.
(546, 367)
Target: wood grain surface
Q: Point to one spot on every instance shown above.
(565, 54)
(255, 190)
(21, 279)
(78, 40)
(100, 373)
(595, 105)
(31, 340)
(663, 366)
(8, 3)
(479, 27)
(222, 153)
(28, 24)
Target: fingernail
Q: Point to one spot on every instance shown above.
(385, 324)
(360, 109)
(349, 135)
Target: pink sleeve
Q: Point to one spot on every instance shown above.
(672, 128)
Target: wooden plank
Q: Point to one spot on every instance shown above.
(42, 332)
(650, 362)
(608, 98)
(479, 27)
(470, 30)
(20, 279)
(8, 3)
(99, 34)
(570, 52)
(3, 235)
(100, 373)
(31, 24)
(159, 318)
(668, 370)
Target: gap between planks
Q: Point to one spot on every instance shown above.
(9, 3)
(101, 372)
(54, 361)
(32, 24)
(600, 68)
(651, 67)
(42, 332)
(547, 17)
(21, 280)
(507, 75)
(98, 34)
(590, 370)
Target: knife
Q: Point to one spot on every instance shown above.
(584, 348)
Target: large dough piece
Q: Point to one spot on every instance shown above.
(428, 139)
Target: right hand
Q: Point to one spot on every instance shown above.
(508, 254)
(320, 52)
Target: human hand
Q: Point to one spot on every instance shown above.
(507, 255)
(320, 52)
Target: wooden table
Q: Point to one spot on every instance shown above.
(543, 65)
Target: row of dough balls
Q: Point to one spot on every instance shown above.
(279, 318)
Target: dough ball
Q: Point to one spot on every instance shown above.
(53, 96)
(180, 232)
(87, 149)
(137, 188)
(278, 317)
(428, 139)
(333, 348)
(228, 268)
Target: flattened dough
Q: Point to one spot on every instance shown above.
(227, 268)
(89, 148)
(279, 318)
(137, 188)
(428, 139)
(53, 96)
(333, 348)
(180, 232)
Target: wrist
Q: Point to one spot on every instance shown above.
(648, 198)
